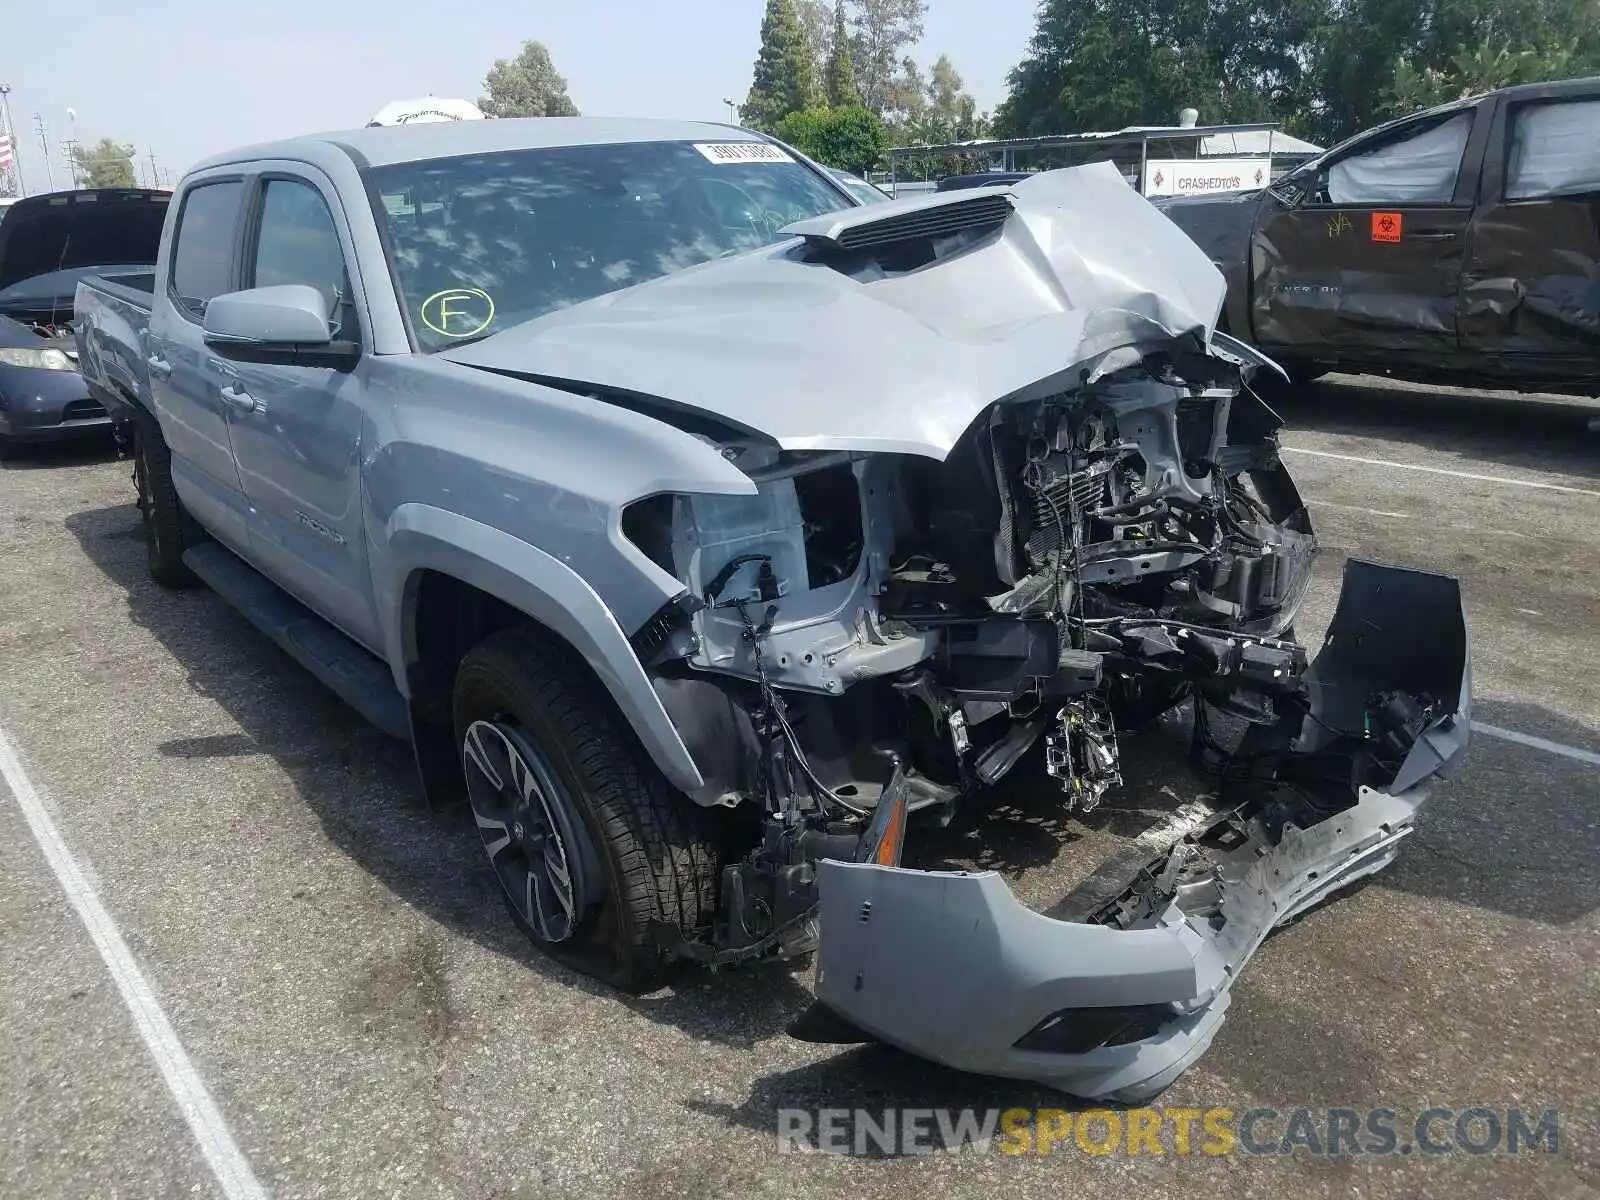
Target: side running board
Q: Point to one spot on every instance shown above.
(359, 679)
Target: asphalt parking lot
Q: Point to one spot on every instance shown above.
(334, 960)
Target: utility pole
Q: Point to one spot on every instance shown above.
(74, 160)
(155, 175)
(11, 131)
(44, 144)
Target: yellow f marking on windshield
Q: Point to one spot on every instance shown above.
(458, 312)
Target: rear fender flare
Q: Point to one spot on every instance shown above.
(421, 537)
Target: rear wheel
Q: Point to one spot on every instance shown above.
(590, 845)
(169, 530)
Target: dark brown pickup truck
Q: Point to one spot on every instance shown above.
(1460, 245)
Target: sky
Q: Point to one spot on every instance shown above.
(189, 78)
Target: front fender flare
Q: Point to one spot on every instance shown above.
(422, 537)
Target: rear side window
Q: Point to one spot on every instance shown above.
(1555, 151)
(1420, 169)
(202, 259)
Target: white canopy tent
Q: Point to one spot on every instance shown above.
(426, 109)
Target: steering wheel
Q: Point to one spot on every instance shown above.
(762, 222)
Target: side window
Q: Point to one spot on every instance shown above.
(202, 258)
(1555, 150)
(1419, 169)
(297, 242)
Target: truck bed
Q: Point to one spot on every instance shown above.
(111, 319)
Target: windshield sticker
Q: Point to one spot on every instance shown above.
(743, 152)
(458, 312)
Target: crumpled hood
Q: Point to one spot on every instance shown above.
(1084, 276)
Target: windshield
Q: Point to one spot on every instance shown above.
(484, 242)
(858, 187)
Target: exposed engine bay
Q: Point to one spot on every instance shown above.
(875, 622)
(874, 635)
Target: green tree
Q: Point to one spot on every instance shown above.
(950, 104)
(527, 86)
(853, 139)
(1471, 72)
(946, 113)
(816, 18)
(1326, 68)
(883, 30)
(1375, 59)
(1105, 64)
(839, 77)
(106, 164)
(786, 75)
(905, 98)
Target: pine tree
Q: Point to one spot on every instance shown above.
(840, 80)
(786, 74)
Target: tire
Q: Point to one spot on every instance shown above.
(1302, 373)
(169, 530)
(634, 851)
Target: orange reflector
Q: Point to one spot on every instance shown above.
(887, 853)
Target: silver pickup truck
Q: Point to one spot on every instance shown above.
(706, 529)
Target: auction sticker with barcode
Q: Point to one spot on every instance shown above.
(743, 152)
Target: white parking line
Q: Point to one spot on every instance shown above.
(1371, 512)
(210, 1129)
(1537, 743)
(1384, 462)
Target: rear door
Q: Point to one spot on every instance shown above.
(296, 428)
(186, 378)
(1365, 260)
(1533, 281)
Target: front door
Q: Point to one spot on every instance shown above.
(1365, 260)
(297, 428)
(185, 380)
(1532, 294)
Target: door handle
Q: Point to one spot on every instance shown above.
(159, 367)
(239, 399)
(1433, 235)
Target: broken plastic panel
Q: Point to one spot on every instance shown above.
(1116, 1005)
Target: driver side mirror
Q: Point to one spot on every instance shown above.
(289, 322)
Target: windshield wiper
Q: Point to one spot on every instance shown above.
(467, 341)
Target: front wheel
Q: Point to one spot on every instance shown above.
(590, 845)
(1301, 372)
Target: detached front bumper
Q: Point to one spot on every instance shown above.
(950, 966)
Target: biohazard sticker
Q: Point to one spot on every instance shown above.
(1386, 227)
(743, 152)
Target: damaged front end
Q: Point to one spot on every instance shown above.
(962, 587)
(871, 637)
(1116, 1004)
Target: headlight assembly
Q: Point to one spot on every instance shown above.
(44, 359)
